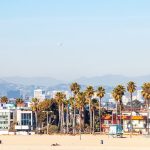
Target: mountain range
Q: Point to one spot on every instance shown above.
(28, 85)
(107, 80)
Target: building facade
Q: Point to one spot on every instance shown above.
(39, 94)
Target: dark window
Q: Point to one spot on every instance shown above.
(26, 119)
(11, 115)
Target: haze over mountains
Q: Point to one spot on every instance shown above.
(28, 84)
(107, 80)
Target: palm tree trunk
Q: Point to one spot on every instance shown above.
(67, 119)
(120, 114)
(59, 121)
(74, 117)
(93, 121)
(117, 113)
(90, 115)
(148, 117)
(82, 117)
(100, 123)
(62, 117)
(80, 122)
(36, 120)
(131, 126)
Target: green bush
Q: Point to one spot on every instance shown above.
(53, 129)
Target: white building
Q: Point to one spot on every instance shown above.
(6, 118)
(24, 120)
(39, 94)
(7, 113)
(139, 96)
(138, 120)
(53, 93)
(13, 119)
(125, 100)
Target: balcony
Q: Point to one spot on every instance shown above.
(22, 127)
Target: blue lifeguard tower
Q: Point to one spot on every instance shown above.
(115, 130)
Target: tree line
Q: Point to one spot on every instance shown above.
(81, 112)
(87, 109)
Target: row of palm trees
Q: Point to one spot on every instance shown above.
(120, 90)
(18, 102)
(82, 99)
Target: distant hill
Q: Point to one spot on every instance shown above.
(6, 86)
(112, 80)
(27, 85)
(37, 81)
(107, 80)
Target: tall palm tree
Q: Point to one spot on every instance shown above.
(4, 99)
(100, 94)
(89, 93)
(146, 96)
(131, 88)
(81, 102)
(75, 88)
(117, 94)
(59, 97)
(94, 107)
(34, 106)
(73, 106)
(66, 103)
(62, 108)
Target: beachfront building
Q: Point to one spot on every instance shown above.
(6, 120)
(13, 119)
(139, 121)
(7, 113)
(24, 120)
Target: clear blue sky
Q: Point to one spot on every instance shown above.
(67, 39)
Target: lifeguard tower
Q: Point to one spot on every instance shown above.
(115, 130)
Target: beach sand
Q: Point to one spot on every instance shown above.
(68, 142)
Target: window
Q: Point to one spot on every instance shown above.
(26, 119)
(11, 115)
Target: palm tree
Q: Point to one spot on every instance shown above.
(73, 106)
(117, 94)
(100, 94)
(34, 106)
(19, 102)
(75, 88)
(62, 110)
(45, 105)
(94, 106)
(146, 96)
(81, 102)
(66, 103)
(59, 99)
(89, 93)
(131, 88)
(4, 99)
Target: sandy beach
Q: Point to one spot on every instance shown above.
(44, 142)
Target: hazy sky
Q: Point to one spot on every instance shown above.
(67, 39)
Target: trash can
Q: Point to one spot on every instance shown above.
(101, 142)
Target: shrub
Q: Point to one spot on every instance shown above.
(53, 129)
